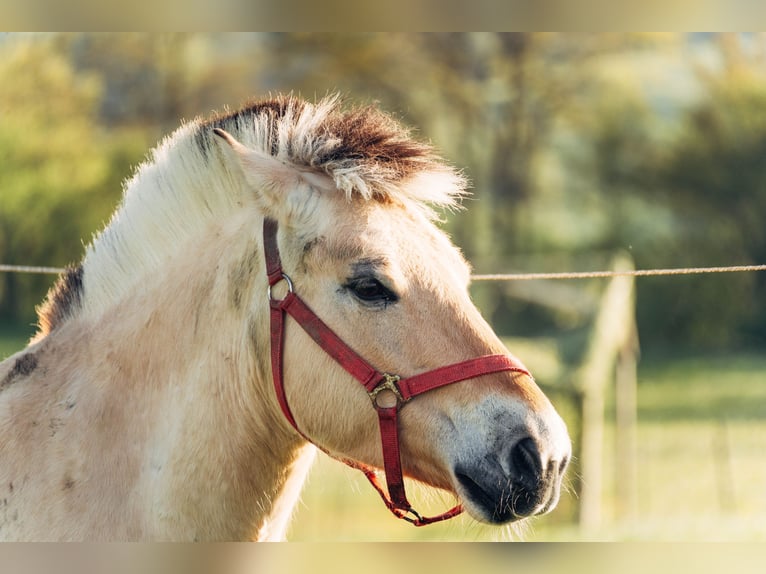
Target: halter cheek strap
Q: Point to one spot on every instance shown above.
(375, 382)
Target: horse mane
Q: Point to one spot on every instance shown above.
(185, 182)
(366, 152)
(63, 299)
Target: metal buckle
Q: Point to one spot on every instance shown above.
(387, 384)
(286, 278)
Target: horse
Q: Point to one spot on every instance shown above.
(158, 401)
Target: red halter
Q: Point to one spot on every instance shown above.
(372, 380)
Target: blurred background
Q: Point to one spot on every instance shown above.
(584, 151)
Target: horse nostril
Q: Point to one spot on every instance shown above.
(526, 463)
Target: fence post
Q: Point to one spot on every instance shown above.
(626, 439)
(613, 327)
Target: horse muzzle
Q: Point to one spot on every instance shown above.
(521, 482)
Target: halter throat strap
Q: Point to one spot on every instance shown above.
(375, 382)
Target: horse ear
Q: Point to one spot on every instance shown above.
(280, 185)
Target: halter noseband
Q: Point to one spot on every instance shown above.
(375, 382)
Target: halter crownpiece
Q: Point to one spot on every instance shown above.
(381, 387)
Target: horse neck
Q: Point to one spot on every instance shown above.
(187, 331)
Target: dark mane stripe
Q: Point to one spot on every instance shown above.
(63, 300)
(275, 108)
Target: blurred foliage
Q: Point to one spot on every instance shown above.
(577, 146)
(701, 191)
(60, 176)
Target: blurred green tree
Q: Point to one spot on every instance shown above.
(693, 196)
(153, 81)
(715, 180)
(60, 176)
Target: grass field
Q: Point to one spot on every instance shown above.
(702, 469)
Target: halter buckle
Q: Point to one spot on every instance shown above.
(387, 384)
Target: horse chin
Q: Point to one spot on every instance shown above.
(503, 502)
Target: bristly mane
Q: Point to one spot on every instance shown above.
(364, 151)
(185, 183)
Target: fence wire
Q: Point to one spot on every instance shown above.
(29, 269)
(617, 273)
(507, 276)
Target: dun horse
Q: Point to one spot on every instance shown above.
(268, 273)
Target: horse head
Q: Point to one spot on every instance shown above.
(361, 247)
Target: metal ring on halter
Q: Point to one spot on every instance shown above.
(285, 277)
(388, 383)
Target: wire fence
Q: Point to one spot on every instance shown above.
(618, 273)
(506, 276)
(30, 269)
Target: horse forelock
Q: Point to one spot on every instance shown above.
(366, 152)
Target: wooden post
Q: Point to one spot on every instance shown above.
(626, 439)
(614, 325)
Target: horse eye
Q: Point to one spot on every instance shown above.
(370, 290)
